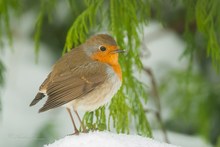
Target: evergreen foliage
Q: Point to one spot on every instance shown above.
(80, 28)
(2, 69)
(207, 19)
(5, 7)
(47, 7)
(189, 95)
(197, 21)
(130, 96)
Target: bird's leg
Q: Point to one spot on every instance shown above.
(83, 127)
(74, 125)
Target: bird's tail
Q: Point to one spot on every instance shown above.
(37, 98)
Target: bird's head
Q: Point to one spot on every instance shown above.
(103, 48)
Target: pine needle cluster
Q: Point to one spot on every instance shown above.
(126, 106)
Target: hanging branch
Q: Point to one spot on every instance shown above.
(45, 12)
(82, 25)
(157, 103)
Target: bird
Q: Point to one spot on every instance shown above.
(85, 78)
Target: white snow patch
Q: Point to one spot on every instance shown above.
(107, 139)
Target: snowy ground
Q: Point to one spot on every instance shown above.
(107, 139)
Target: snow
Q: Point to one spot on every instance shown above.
(107, 139)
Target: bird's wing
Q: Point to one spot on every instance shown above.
(71, 60)
(73, 83)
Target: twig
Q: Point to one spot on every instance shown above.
(157, 103)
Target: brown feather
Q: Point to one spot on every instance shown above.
(71, 79)
(37, 98)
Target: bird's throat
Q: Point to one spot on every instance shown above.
(117, 70)
(110, 59)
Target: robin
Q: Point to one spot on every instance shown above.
(85, 78)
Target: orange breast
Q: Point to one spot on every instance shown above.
(117, 69)
(110, 59)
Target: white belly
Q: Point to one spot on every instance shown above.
(99, 96)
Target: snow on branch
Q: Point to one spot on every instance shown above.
(107, 139)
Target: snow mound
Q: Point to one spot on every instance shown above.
(107, 139)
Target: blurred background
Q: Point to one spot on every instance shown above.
(179, 53)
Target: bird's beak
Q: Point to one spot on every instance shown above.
(118, 51)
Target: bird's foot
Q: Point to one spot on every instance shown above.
(75, 133)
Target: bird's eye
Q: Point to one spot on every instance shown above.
(102, 48)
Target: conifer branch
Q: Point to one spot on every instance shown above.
(157, 103)
(80, 28)
(5, 28)
(47, 6)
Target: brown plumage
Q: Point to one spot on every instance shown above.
(81, 75)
